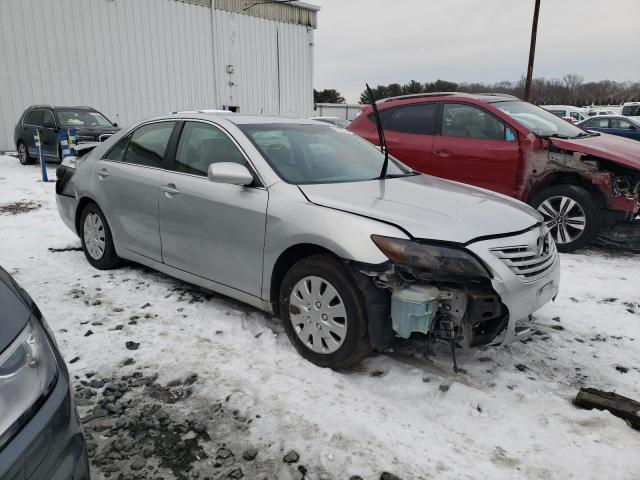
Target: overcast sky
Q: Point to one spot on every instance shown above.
(385, 41)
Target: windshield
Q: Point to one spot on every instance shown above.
(82, 118)
(303, 154)
(539, 120)
(631, 110)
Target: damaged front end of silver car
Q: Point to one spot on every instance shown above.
(436, 289)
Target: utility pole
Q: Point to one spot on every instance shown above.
(532, 53)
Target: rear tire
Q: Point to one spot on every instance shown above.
(326, 323)
(573, 215)
(97, 242)
(23, 154)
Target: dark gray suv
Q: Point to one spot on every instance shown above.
(41, 436)
(90, 125)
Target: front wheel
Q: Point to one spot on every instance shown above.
(97, 242)
(323, 313)
(572, 214)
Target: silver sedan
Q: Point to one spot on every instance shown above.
(292, 217)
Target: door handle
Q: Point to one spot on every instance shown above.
(444, 153)
(102, 173)
(170, 190)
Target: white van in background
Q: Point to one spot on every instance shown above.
(575, 114)
(631, 109)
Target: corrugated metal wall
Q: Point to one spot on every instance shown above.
(132, 59)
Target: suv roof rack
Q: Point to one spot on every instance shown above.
(40, 106)
(419, 95)
(496, 94)
(446, 94)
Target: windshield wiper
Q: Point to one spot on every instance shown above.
(399, 175)
(381, 139)
(556, 135)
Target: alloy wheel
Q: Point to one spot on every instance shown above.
(564, 217)
(318, 315)
(94, 235)
(22, 153)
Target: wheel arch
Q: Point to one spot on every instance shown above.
(285, 261)
(570, 179)
(82, 203)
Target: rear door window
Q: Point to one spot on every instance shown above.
(417, 119)
(598, 123)
(459, 120)
(36, 118)
(117, 153)
(148, 144)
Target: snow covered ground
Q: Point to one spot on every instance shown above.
(510, 416)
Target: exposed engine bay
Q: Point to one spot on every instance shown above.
(467, 313)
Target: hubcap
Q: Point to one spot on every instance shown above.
(564, 217)
(318, 314)
(94, 236)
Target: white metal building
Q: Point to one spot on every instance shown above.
(131, 59)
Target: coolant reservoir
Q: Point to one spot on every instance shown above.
(413, 309)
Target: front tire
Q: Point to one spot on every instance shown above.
(23, 154)
(573, 215)
(323, 313)
(97, 242)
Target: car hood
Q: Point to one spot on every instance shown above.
(616, 149)
(428, 207)
(14, 310)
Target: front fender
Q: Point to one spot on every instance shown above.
(293, 220)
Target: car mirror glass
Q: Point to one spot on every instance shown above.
(229, 172)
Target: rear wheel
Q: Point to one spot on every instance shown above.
(97, 242)
(23, 154)
(572, 214)
(323, 313)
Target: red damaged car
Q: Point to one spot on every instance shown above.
(579, 181)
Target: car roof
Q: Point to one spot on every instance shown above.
(238, 119)
(480, 97)
(60, 107)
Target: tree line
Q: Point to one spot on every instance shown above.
(568, 90)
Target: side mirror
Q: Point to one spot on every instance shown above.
(115, 124)
(229, 172)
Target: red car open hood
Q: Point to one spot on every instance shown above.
(620, 150)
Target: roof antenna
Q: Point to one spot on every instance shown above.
(381, 139)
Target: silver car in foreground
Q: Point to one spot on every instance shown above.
(291, 217)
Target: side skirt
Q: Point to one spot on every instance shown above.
(225, 290)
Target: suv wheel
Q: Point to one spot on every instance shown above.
(323, 313)
(572, 214)
(23, 154)
(97, 242)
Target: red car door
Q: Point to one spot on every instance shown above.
(475, 147)
(409, 132)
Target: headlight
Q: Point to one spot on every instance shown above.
(28, 373)
(440, 261)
